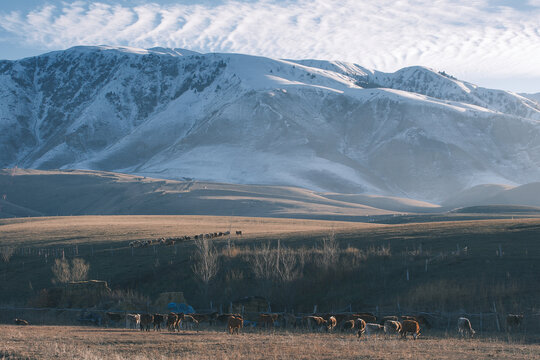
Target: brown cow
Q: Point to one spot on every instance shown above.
(146, 321)
(331, 323)
(385, 318)
(360, 326)
(173, 322)
(21, 322)
(347, 325)
(343, 317)
(189, 321)
(367, 317)
(392, 327)
(267, 320)
(513, 321)
(374, 329)
(201, 317)
(421, 320)
(314, 322)
(224, 318)
(158, 320)
(410, 326)
(133, 320)
(234, 324)
(464, 326)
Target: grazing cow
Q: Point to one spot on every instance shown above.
(314, 322)
(227, 233)
(331, 323)
(421, 320)
(234, 324)
(224, 318)
(464, 326)
(513, 322)
(173, 322)
(385, 318)
(239, 232)
(347, 325)
(146, 321)
(267, 320)
(133, 320)
(392, 327)
(340, 318)
(21, 322)
(201, 317)
(373, 329)
(410, 326)
(189, 321)
(158, 320)
(360, 326)
(367, 317)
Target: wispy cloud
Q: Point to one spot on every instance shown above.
(460, 36)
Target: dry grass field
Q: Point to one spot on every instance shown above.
(62, 342)
(48, 231)
(370, 268)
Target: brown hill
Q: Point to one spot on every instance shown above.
(82, 192)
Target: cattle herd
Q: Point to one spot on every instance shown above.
(172, 240)
(361, 324)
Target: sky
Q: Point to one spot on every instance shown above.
(492, 43)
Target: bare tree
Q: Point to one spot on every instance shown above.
(330, 251)
(64, 272)
(291, 265)
(205, 262)
(79, 269)
(6, 252)
(263, 262)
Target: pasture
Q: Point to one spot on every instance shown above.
(437, 266)
(67, 342)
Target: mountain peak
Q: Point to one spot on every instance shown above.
(323, 125)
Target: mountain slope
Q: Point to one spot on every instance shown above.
(83, 192)
(328, 126)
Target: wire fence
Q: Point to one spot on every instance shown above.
(482, 322)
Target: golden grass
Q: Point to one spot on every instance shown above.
(63, 342)
(99, 229)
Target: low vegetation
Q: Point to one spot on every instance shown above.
(296, 264)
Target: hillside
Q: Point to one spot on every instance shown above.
(79, 192)
(327, 126)
(451, 265)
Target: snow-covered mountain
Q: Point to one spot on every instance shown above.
(323, 125)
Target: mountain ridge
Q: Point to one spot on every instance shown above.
(321, 125)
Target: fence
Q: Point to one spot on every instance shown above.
(489, 321)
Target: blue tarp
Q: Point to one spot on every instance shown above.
(181, 308)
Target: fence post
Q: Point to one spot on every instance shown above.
(496, 317)
(481, 323)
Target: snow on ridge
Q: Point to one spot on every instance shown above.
(325, 125)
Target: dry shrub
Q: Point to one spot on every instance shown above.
(64, 272)
(6, 252)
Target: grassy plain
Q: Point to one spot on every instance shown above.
(71, 230)
(451, 265)
(63, 342)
